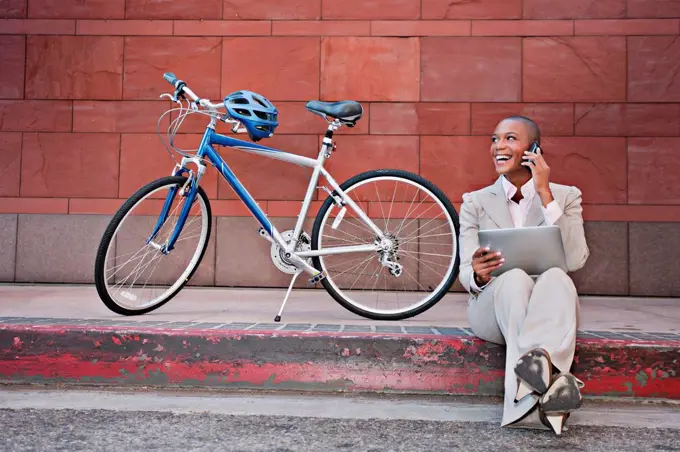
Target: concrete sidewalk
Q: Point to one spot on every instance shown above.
(226, 338)
(259, 306)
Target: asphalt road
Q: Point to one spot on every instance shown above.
(96, 422)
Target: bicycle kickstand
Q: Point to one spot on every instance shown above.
(290, 287)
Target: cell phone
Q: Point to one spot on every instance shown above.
(533, 149)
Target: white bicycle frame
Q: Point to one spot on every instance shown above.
(318, 170)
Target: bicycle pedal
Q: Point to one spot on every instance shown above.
(317, 278)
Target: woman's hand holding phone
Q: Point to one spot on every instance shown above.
(540, 172)
(484, 261)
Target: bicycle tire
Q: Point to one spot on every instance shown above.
(450, 279)
(114, 224)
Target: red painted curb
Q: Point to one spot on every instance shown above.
(314, 361)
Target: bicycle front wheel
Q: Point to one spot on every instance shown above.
(134, 277)
(418, 260)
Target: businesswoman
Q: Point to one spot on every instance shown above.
(535, 317)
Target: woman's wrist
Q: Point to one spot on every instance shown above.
(546, 196)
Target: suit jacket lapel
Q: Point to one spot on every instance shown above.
(496, 205)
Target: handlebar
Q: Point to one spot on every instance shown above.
(171, 78)
(182, 88)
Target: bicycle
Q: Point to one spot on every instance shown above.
(390, 259)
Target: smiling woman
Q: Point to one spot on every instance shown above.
(535, 316)
(514, 153)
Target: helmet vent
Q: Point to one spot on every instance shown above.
(242, 111)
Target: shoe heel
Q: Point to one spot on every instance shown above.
(554, 421)
(523, 390)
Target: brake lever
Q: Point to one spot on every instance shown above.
(171, 97)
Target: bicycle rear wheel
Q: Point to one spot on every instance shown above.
(419, 261)
(134, 277)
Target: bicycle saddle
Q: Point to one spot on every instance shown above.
(347, 111)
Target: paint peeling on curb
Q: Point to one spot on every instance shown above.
(314, 361)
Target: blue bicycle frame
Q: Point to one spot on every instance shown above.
(206, 150)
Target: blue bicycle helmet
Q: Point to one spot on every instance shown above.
(257, 114)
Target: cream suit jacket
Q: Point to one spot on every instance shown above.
(488, 209)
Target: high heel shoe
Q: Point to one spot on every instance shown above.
(561, 399)
(534, 371)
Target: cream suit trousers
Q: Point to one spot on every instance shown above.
(523, 314)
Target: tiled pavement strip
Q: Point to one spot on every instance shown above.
(330, 328)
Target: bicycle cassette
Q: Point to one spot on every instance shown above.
(278, 254)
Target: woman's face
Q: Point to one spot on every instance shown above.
(508, 143)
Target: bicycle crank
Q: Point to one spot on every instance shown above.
(282, 259)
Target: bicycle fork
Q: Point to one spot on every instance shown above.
(189, 191)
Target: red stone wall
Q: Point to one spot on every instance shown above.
(80, 80)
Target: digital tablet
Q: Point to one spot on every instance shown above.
(533, 249)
